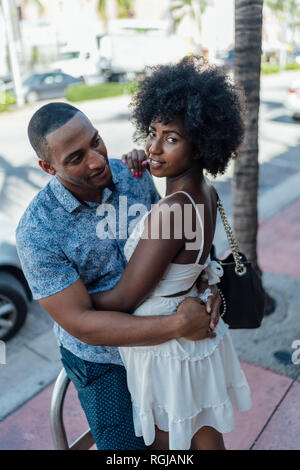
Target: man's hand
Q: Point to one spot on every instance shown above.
(136, 161)
(214, 302)
(195, 320)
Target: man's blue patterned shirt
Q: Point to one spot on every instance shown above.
(58, 243)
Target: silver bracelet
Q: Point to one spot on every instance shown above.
(223, 301)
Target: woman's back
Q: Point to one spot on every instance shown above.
(186, 266)
(205, 196)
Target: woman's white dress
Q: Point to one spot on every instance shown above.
(182, 385)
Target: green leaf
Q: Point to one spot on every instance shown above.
(124, 8)
(38, 3)
(102, 7)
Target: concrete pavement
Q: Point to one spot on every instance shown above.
(273, 422)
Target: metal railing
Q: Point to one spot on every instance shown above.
(59, 437)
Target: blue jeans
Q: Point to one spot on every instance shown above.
(105, 399)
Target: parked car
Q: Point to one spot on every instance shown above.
(6, 79)
(14, 290)
(41, 86)
(296, 55)
(5, 83)
(293, 100)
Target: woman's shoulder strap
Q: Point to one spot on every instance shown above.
(200, 221)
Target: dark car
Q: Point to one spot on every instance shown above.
(40, 86)
(14, 291)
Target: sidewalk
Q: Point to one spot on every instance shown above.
(274, 420)
(272, 423)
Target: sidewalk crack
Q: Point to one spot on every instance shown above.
(37, 353)
(273, 413)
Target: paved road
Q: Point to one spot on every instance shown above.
(32, 359)
(21, 178)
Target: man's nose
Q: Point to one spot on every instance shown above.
(95, 160)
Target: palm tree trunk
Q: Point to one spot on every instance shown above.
(247, 58)
(247, 62)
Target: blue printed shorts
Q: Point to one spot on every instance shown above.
(105, 399)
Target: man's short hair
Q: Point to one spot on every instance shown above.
(46, 120)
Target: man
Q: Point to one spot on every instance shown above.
(65, 262)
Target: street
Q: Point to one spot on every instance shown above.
(21, 178)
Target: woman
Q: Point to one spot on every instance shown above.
(182, 390)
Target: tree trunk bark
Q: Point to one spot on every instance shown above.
(247, 62)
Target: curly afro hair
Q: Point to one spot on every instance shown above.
(210, 105)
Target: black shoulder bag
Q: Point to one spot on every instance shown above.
(241, 290)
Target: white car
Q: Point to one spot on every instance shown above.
(14, 291)
(76, 63)
(293, 100)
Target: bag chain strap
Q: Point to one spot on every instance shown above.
(240, 268)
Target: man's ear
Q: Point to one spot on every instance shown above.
(47, 167)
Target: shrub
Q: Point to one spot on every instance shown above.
(292, 66)
(268, 68)
(6, 99)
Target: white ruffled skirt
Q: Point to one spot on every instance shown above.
(181, 386)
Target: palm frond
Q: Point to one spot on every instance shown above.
(36, 2)
(277, 5)
(177, 4)
(178, 20)
(101, 7)
(125, 7)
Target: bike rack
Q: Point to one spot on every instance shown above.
(59, 437)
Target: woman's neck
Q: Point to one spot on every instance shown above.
(190, 180)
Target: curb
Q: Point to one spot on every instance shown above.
(269, 204)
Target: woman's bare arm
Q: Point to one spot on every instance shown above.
(71, 308)
(149, 260)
